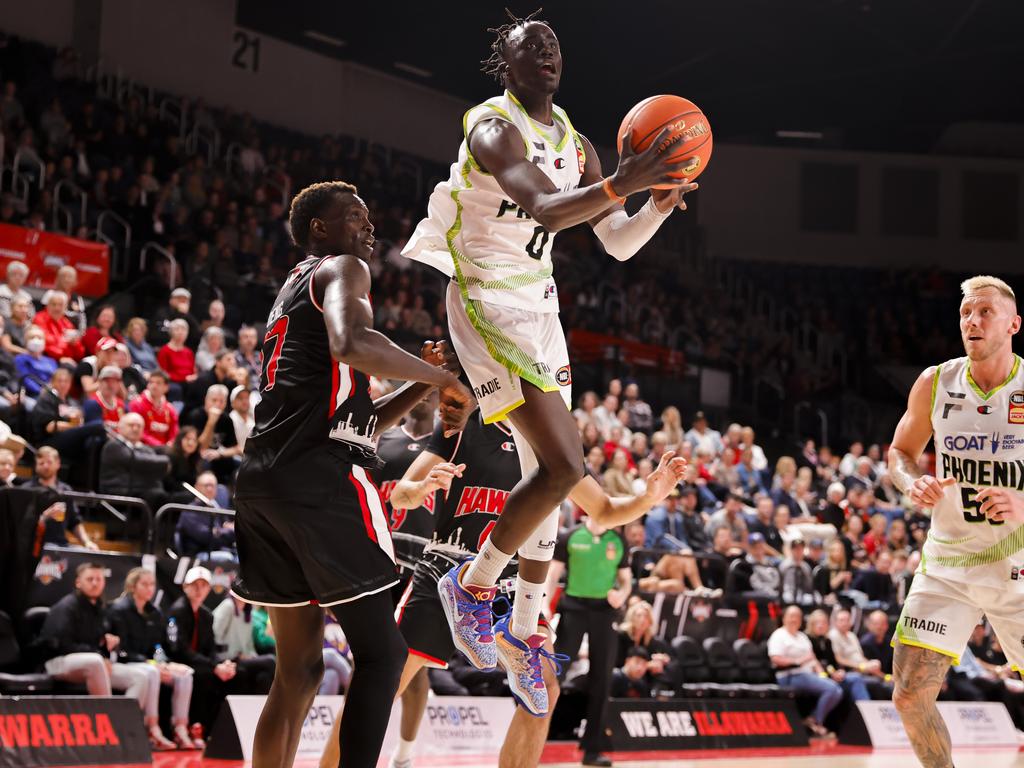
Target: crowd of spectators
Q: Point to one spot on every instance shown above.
(157, 405)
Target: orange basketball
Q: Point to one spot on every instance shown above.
(689, 128)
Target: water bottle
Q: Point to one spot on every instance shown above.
(172, 631)
(159, 655)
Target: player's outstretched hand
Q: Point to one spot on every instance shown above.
(637, 172)
(440, 354)
(669, 473)
(456, 404)
(441, 475)
(999, 504)
(927, 491)
(667, 199)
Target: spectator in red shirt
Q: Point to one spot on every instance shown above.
(106, 401)
(103, 326)
(874, 539)
(176, 359)
(63, 342)
(161, 420)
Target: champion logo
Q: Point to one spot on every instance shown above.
(559, 163)
(509, 446)
(984, 410)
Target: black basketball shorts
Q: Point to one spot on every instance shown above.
(293, 553)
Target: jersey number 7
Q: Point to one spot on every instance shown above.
(277, 332)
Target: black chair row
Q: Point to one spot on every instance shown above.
(718, 669)
(20, 676)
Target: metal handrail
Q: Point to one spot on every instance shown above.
(232, 155)
(161, 251)
(167, 508)
(822, 420)
(126, 228)
(106, 500)
(16, 164)
(15, 179)
(285, 190)
(166, 115)
(201, 132)
(83, 199)
(69, 223)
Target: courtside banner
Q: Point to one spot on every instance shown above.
(71, 730)
(970, 723)
(638, 724)
(452, 726)
(46, 252)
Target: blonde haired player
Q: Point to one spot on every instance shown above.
(524, 173)
(971, 562)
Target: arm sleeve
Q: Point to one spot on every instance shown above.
(445, 447)
(623, 235)
(624, 560)
(562, 547)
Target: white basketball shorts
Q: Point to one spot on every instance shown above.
(499, 347)
(940, 614)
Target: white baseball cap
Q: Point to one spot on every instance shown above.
(198, 572)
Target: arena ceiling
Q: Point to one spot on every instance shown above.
(866, 74)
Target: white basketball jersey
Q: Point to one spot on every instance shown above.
(979, 440)
(474, 233)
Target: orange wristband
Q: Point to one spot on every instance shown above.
(606, 185)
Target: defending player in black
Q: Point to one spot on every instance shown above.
(472, 474)
(310, 522)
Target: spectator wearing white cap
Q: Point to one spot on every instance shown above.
(87, 371)
(178, 305)
(106, 403)
(11, 288)
(129, 467)
(192, 642)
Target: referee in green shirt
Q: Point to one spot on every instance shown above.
(598, 582)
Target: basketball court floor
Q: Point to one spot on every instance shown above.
(567, 756)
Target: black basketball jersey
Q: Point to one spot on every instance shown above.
(470, 509)
(398, 449)
(315, 415)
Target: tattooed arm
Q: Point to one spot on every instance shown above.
(912, 436)
(918, 675)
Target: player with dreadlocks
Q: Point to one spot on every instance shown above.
(523, 174)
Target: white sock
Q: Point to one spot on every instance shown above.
(487, 566)
(526, 608)
(403, 751)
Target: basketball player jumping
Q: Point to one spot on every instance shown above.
(473, 473)
(973, 408)
(522, 175)
(310, 523)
